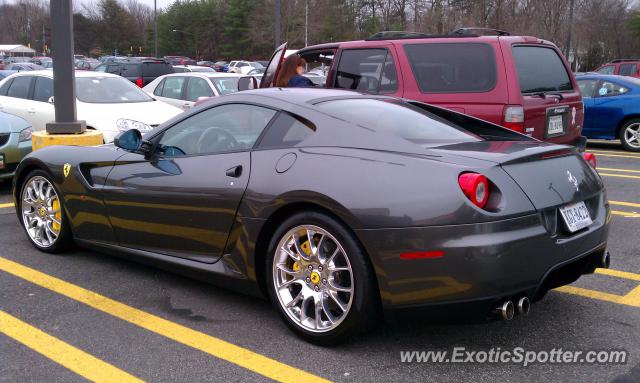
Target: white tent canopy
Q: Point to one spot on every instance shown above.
(16, 50)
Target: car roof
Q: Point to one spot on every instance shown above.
(202, 74)
(79, 73)
(301, 96)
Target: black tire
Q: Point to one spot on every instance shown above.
(64, 239)
(628, 146)
(364, 311)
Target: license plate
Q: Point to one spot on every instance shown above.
(555, 125)
(1, 161)
(576, 216)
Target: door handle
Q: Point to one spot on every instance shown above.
(234, 172)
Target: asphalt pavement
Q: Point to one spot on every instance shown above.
(88, 316)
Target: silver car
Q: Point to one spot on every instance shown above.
(15, 143)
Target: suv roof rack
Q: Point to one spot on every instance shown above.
(460, 32)
(623, 60)
(478, 31)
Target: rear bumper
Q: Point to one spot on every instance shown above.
(487, 261)
(13, 152)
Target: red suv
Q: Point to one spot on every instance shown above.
(521, 82)
(621, 67)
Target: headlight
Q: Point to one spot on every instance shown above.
(25, 134)
(125, 124)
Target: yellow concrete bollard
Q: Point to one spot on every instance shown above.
(40, 139)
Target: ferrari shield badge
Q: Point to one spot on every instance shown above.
(66, 169)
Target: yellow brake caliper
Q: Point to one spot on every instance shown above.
(307, 250)
(55, 205)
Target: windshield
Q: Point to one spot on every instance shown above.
(108, 90)
(397, 118)
(225, 85)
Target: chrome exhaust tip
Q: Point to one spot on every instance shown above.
(606, 260)
(505, 311)
(524, 306)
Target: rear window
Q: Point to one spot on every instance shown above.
(156, 69)
(130, 70)
(540, 69)
(398, 119)
(453, 67)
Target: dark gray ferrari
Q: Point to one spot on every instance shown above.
(336, 205)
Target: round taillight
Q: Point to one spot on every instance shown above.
(476, 187)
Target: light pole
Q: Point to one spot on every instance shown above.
(306, 23)
(155, 28)
(195, 38)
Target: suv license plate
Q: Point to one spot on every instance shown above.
(555, 125)
(576, 216)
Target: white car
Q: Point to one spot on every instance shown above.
(106, 102)
(243, 67)
(184, 89)
(191, 68)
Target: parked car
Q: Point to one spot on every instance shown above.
(184, 89)
(219, 66)
(621, 67)
(243, 67)
(105, 101)
(87, 64)
(15, 143)
(23, 66)
(180, 60)
(39, 60)
(191, 68)
(6, 73)
(612, 108)
(520, 82)
(338, 206)
(139, 71)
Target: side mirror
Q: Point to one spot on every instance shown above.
(130, 140)
(50, 100)
(247, 83)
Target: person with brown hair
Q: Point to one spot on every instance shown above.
(291, 73)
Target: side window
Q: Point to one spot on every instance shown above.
(367, 70)
(608, 88)
(158, 90)
(20, 87)
(43, 89)
(131, 70)
(453, 67)
(101, 68)
(269, 77)
(587, 87)
(198, 87)
(628, 69)
(286, 131)
(609, 69)
(113, 68)
(173, 87)
(220, 129)
(4, 88)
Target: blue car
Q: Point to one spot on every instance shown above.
(611, 108)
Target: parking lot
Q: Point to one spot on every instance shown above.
(106, 318)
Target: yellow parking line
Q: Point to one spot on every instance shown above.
(3, 205)
(619, 274)
(622, 203)
(619, 175)
(621, 152)
(219, 348)
(74, 359)
(593, 294)
(619, 170)
(600, 154)
(625, 214)
(632, 298)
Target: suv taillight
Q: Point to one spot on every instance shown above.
(514, 118)
(139, 82)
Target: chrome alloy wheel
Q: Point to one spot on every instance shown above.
(632, 135)
(41, 212)
(313, 278)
